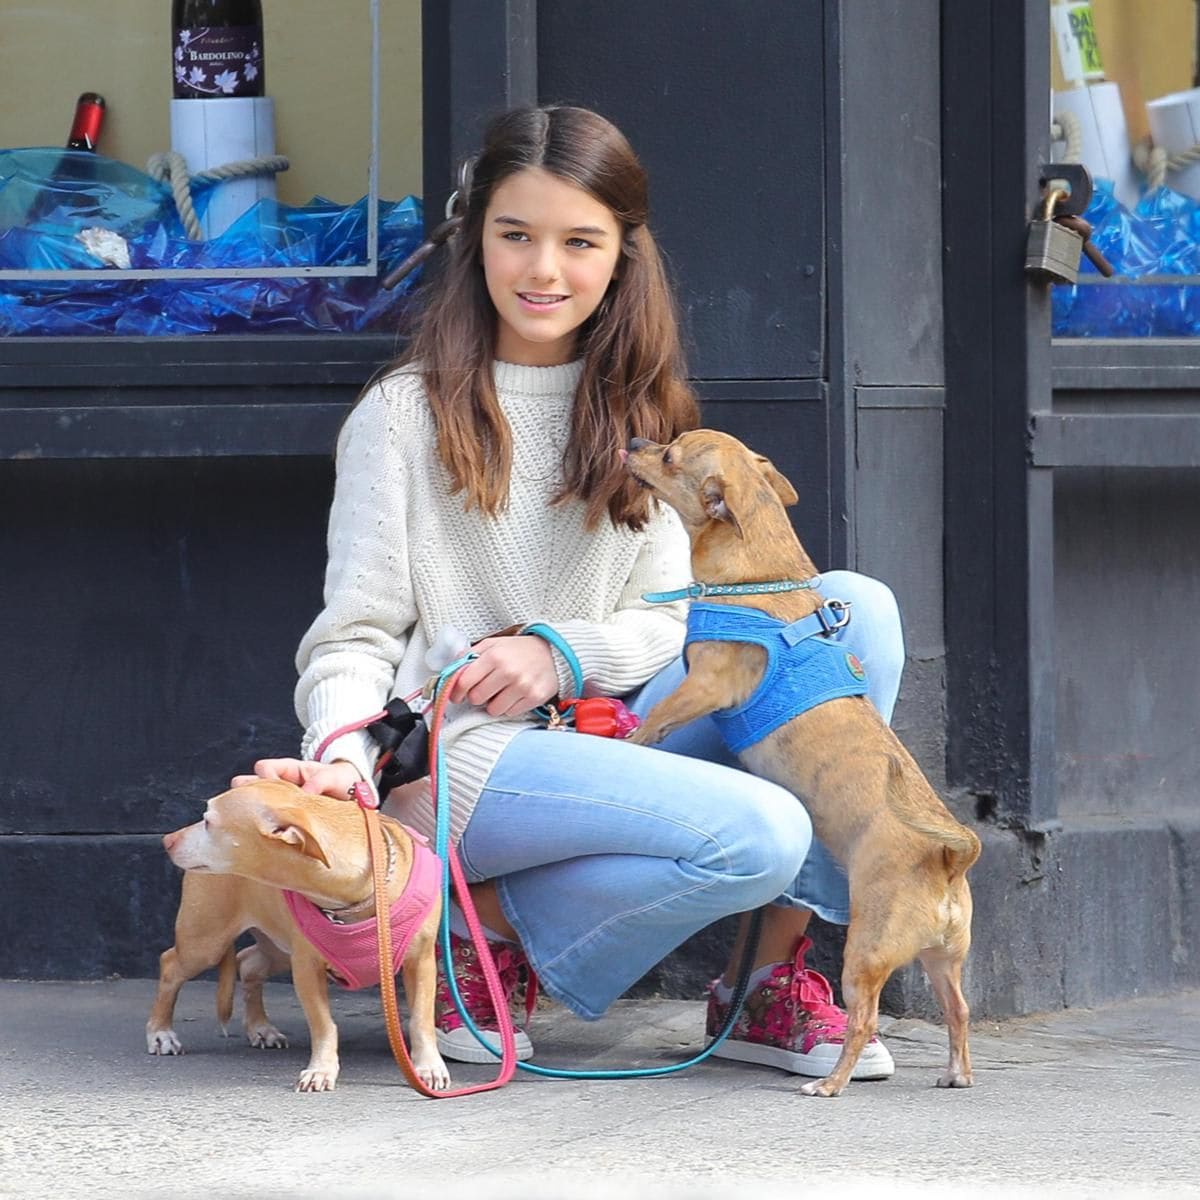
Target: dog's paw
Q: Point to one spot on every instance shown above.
(955, 1079)
(821, 1087)
(163, 1041)
(645, 735)
(433, 1072)
(267, 1037)
(316, 1081)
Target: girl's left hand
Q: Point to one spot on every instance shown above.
(510, 676)
(333, 779)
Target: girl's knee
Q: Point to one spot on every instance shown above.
(778, 833)
(875, 633)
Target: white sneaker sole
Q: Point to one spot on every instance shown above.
(460, 1045)
(874, 1063)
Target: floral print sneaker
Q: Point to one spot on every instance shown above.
(790, 1021)
(454, 1039)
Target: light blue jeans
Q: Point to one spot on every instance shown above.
(607, 855)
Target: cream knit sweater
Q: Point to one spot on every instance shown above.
(406, 559)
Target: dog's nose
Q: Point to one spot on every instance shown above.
(639, 443)
(169, 840)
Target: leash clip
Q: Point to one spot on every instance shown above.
(364, 795)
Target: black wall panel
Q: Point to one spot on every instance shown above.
(151, 613)
(724, 103)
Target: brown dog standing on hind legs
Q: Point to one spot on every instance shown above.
(905, 855)
(254, 845)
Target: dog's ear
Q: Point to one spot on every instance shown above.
(715, 495)
(779, 483)
(291, 825)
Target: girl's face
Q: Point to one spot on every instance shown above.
(549, 253)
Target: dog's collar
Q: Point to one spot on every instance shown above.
(349, 914)
(695, 591)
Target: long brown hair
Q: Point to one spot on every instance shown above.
(634, 383)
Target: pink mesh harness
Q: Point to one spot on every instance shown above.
(352, 950)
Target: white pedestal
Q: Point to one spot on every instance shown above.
(212, 133)
(1106, 150)
(1175, 126)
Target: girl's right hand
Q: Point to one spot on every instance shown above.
(509, 676)
(333, 779)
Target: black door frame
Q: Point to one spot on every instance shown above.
(999, 507)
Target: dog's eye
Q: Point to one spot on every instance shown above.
(667, 457)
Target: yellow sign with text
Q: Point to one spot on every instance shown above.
(1075, 37)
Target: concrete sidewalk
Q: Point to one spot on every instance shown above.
(1085, 1103)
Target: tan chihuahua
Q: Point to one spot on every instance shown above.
(253, 843)
(905, 855)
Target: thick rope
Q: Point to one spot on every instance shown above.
(171, 168)
(1066, 127)
(1154, 162)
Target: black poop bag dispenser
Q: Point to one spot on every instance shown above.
(405, 734)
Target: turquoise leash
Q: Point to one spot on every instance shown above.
(442, 849)
(560, 643)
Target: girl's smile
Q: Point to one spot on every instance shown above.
(536, 301)
(549, 253)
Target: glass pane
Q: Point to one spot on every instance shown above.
(1125, 103)
(116, 237)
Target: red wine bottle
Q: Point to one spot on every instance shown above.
(89, 120)
(218, 48)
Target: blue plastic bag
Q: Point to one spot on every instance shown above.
(1160, 236)
(48, 197)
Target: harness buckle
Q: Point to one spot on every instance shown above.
(841, 608)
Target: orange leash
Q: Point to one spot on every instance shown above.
(383, 933)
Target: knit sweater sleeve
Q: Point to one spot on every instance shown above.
(347, 660)
(638, 639)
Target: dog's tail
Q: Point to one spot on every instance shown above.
(926, 815)
(226, 980)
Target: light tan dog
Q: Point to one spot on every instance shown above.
(905, 855)
(252, 842)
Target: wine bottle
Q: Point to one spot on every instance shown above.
(89, 119)
(218, 48)
(69, 184)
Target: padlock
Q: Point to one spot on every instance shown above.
(1052, 252)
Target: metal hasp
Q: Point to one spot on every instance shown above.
(1074, 179)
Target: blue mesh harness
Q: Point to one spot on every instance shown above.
(803, 669)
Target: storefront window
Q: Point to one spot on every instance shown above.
(1125, 104)
(204, 166)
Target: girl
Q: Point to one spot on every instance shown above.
(479, 486)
